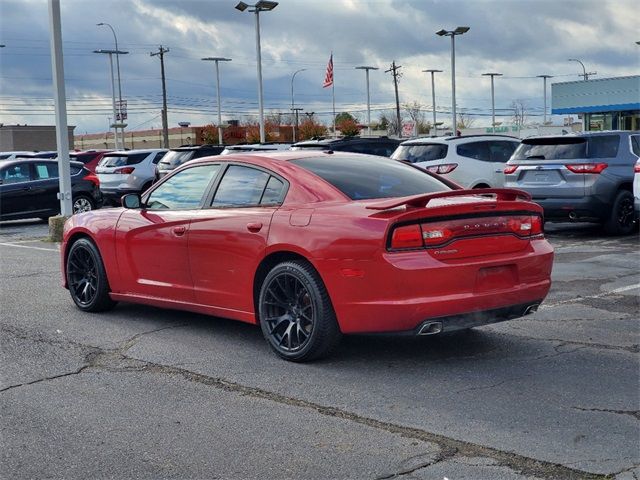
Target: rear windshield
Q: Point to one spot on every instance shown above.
(364, 177)
(568, 148)
(121, 160)
(420, 153)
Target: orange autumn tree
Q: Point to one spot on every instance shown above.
(271, 130)
(310, 128)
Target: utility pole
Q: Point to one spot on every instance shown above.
(165, 128)
(296, 110)
(493, 100)
(544, 79)
(394, 71)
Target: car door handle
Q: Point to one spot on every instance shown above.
(179, 231)
(254, 226)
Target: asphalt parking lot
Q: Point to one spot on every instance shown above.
(141, 392)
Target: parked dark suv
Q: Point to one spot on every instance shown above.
(382, 146)
(586, 177)
(177, 156)
(29, 189)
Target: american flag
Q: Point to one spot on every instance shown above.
(328, 78)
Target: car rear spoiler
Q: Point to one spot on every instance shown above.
(417, 201)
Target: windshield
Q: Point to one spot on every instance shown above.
(420, 153)
(121, 160)
(364, 176)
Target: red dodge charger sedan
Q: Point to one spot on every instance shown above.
(314, 245)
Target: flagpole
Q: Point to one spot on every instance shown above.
(333, 94)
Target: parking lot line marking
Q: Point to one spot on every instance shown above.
(27, 246)
(599, 295)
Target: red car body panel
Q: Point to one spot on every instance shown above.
(206, 260)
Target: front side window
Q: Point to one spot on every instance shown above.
(15, 174)
(185, 190)
(241, 186)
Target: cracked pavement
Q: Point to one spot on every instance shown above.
(141, 392)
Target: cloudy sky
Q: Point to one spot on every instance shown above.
(518, 38)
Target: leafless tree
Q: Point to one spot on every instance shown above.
(416, 113)
(520, 113)
(465, 120)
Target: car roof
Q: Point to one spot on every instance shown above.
(121, 153)
(445, 140)
(333, 141)
(22, 161)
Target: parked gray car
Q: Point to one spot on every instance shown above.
(586, 177)
(131, 171)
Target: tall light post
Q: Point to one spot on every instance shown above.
(433, 93)
(366, 70)
(544, 82)
(584, 70)
(261, 6)
(218, 60)
(121, 119)
(493, 101)
(293, 106)
(113, 92)
(452, 34)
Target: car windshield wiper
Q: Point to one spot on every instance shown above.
(536, 157)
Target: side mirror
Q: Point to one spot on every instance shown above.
(131, 200)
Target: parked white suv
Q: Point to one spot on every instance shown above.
(473, 161)
(130, 171)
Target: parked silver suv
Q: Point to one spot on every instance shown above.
(130, 171)
(584, 177)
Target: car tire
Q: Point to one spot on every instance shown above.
(296, 314)
(87, 278)
(83, 203)
(621, 221)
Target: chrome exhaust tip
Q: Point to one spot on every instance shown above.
(531, 309)
(431, 328)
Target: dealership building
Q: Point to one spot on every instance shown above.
(603, 103)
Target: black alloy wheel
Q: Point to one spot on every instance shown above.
(296, 315)
(621, 221)
(86, 277)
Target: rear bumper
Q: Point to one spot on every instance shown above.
(403, 291)
(588, 208)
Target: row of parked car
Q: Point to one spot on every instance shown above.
(576, 177)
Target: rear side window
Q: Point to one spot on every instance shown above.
(420, 153)
(367, 177)
(603, 146)
(240, 186)
(75, 170)
(45, 170)
(477, 150)
(635, 144)
(501, 151)
(273, 192)
(158, 157)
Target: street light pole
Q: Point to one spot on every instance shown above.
(121, 120)
(544, 81)
(452, 34)
(366, 70)
(584, 70)
(293, 106)
(433, 93)
(261, 6)
(493, 102)
(217, 60)
(113, 93)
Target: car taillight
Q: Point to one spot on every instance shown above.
(124, 170)
(510, 169)
(93, 178)
(406, 237)
(434, 234)
(443, 168)
(587, 167)
(636, 168)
